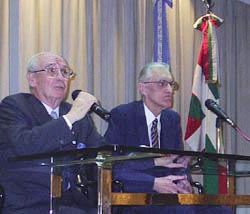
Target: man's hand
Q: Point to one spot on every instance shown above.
(170, 162)
(169, 184)
(185, 185)
(80, 106)
(185, 160)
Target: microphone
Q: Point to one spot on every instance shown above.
(215, 108)
(104, 114)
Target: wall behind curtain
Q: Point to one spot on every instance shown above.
(108, 41)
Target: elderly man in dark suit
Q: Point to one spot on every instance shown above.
(134, 124)
(42, 122)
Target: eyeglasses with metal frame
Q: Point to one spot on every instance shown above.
(53, 71)
(164, 83)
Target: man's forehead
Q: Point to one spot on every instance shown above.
(160, 72)
(49, 60)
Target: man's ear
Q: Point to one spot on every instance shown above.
(31, 79)
(141, 88)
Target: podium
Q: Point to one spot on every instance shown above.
(105, 156)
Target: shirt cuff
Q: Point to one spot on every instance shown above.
(68, 122)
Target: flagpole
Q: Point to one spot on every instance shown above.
(208, 5)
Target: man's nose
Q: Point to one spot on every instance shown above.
(168, 87)
(59, 74)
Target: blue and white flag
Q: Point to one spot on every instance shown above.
(161, 48)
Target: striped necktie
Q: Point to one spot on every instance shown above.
(154, 134)
(54, 115)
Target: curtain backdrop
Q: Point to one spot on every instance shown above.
(107, 42)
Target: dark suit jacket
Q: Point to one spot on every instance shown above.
(127, 126)
(26, 128)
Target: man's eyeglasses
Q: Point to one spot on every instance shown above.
(53, 72)
(164, 83)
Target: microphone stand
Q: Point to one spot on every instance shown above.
(219, 142)
(220, 149)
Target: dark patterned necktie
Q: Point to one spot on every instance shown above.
(154, 134)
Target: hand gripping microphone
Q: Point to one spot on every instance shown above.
(104, 114)
(215, 108)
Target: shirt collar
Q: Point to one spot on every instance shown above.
(149, 115)
(49, 109)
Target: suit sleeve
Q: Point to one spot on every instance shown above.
(131, 173)
(23, 133)
(133, 178)
(115, 133)
(87, 134)
(178, 133)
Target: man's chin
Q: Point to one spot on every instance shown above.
(60, 93)
(167, 105)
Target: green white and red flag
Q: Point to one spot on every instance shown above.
(200, 132)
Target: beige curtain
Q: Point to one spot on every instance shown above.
(4, 49)
(108, 41)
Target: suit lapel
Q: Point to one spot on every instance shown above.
(164, 128)
(64, 108)
(39, 111)
(142, 130)
(167, 137)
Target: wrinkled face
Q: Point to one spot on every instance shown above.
(156, 90)
(50, 89)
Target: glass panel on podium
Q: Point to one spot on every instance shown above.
(64, 164)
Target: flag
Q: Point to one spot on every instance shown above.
(200, 132)
(161, 49)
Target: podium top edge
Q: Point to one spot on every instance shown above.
(121, 149)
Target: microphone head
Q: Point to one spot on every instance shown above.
(215, 108)
(209, 103)
(75, 94)
(104, 114)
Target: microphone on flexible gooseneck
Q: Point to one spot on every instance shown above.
(100, 111)
(215, 108)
